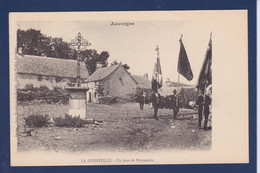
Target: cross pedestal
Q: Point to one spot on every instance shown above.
(77, 101)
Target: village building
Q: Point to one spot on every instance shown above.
(143, 83)
(188, 94)
(112, 81)
(37, 71)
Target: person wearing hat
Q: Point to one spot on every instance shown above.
(156, 101)
(141, 100)
(173, 99)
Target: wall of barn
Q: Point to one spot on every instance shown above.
(39, 80)
(119, 84)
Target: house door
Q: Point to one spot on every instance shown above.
(89, 98)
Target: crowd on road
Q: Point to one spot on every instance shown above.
(171, 102)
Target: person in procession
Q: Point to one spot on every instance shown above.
(156, 101)
(203, 102)
(173, 100)
(141, 100)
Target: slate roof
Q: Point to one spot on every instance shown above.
(142, 82)
(30, 64)
(101, 73)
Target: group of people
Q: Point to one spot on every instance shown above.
(203, 101)
(156, 103)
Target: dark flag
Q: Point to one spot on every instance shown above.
(154, 85)
(205, 76)
(183, 63)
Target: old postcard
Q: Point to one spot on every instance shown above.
(129, 88)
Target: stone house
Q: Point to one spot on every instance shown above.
(143, 83)
(112, 81)
(39, 71)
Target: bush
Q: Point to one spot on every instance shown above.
(68, 121)
(36, 120)
(44, 94)
(132, 97)
(29, 86)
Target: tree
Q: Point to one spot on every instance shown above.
(90, 57)
(60, 49)
(114, 63)
(33, 42)
(103, 57)
(124, 65)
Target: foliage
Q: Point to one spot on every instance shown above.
(33, 42)
(100, 89)
(91, 57)
(124, 65)
(61, 49)
(28, 86)
(103, 57)
(36, 120)
(68, 121)
(132, 97)
(44, 94)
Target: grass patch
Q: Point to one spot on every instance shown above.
(68, 121)
(36, 120)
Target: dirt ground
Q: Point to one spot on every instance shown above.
(124, 127)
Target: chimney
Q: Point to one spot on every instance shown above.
(146, 75)
(99, 65)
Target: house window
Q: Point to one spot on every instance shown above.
(95, 94)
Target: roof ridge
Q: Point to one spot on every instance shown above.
(52, 58)
(100, 70)
(31, 64)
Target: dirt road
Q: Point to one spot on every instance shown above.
(124, 127)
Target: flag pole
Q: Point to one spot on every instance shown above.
(178, 79)
(204, 93)
(157, 80)
(178, 89)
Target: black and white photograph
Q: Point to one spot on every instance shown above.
(127, 88)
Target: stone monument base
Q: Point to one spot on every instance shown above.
(77, 101)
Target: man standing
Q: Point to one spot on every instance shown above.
(156, 101)
(203, 101)
(142, 100)
(173, 100)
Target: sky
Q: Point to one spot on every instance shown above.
(135, 44)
